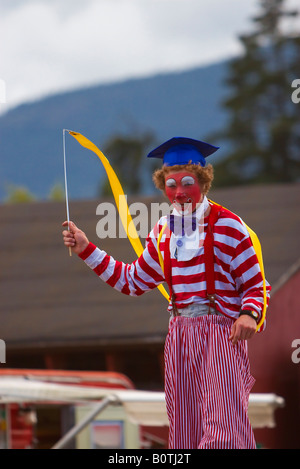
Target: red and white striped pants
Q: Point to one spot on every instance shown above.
(207, 385)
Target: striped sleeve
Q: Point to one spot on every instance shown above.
(246, 273)
(134, 279)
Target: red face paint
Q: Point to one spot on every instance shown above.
(183, 190)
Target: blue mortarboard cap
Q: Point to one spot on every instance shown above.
(183, 150)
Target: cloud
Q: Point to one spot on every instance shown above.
(53, 45)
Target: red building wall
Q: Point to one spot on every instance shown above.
(271, 357)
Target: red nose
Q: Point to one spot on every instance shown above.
(180, 195)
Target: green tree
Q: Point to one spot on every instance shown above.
(263, 130)
(127, 156)
(19, 195)
(57, 193)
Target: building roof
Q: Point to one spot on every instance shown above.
(49, 299)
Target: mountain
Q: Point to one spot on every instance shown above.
(31, 151)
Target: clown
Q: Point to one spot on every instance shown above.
(198, 247)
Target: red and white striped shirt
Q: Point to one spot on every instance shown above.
(238, 278)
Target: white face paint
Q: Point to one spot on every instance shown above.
(171, 182)
(187, 181)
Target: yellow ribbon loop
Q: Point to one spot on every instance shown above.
(129, 226)
(119, 197)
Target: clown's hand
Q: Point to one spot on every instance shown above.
(74, 238)
(243, 328)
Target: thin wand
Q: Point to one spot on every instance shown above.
(66, 185)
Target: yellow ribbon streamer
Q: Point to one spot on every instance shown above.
(119, 197)
(129, 226)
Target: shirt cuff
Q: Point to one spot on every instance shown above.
(87, 251)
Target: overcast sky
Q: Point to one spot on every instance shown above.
(47, 46)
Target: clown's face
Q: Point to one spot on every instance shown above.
(183, 190)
